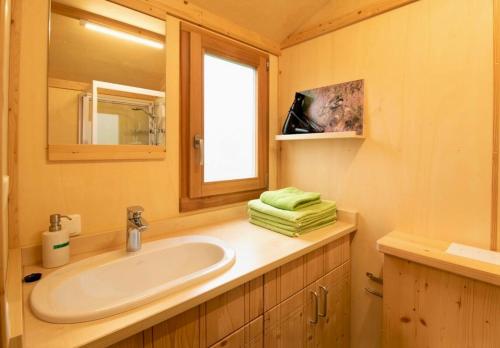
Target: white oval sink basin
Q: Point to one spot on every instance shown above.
(117, 281)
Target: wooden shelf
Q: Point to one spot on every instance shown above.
(312, 136)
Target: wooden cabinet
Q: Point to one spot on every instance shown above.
(333, 292)
(317, 316)
(429, 307)
(249, 336)
(303, 303)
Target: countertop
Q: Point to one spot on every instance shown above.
(257, 251)
(432, 253)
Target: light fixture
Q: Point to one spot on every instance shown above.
(122, 35)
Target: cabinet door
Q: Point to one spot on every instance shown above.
(249, 336)
(333, 328)
(285, 324)
(181, 331)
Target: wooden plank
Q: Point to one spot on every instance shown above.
(427, 307)
(291, 278)
(344, 20)
(337, 253)
(182, 331)
(193, 14)
(225, 314)
(135, 341)
(334, 329)
(254, 299)
(314, 266)
(249, 336)
(13, 298)
(232, 310)
(285, 324)
(495, 235)
(83, 152)
(4, 112)
(12, 145)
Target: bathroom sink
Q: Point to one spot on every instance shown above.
(117, 281)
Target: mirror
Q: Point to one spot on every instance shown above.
(106, 75)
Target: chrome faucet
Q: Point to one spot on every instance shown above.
(135, 225)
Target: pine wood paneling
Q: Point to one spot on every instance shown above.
(416, 167)
(182, 331)
(314, 265)
(225, 314)
(249, 336)
(427, 307)
(135, 341)
(344, 20)
(334, 329)
(336, 253)
(232, 310)
(291, 278)
(285, 324)
(193, 14)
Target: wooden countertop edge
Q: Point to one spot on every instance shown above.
(432, 253)
(132, 322)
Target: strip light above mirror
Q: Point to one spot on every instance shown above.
(121, 35)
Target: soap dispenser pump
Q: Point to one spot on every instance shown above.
(55, 243)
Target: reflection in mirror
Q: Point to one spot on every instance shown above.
(102, 52)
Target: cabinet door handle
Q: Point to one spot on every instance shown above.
(324, 292)
(314, 295)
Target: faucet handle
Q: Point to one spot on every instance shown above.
(134, 211)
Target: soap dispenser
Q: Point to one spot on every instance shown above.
(55, 243)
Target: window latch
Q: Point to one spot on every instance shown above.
(199, 144)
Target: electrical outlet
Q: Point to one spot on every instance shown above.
(74, 225)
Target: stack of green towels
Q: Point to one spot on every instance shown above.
(291, 211)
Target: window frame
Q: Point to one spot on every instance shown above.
(195, 193)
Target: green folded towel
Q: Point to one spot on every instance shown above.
(302, 223)
(286, 232)
(302, 216)
(290, 227)
(290, 198)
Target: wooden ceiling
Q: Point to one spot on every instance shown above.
(274, 19)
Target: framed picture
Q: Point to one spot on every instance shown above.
(336, 108)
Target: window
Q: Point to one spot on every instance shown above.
(224, 120)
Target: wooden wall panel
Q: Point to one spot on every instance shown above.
(426, 307)
(428, 109)
(99, 191)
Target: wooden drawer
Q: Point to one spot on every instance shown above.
(181, 331)
(232, 310)
(249, 336)
(135, 341)
(287, 280)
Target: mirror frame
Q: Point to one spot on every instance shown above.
(96, 152)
